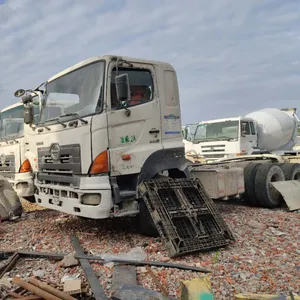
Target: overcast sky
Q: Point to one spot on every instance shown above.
(231, 56)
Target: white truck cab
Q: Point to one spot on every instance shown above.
(120, 124)
(14, 166)
(224, 138)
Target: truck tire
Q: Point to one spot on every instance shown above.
(30, 199)
(266, 195)
(249, 179)
(145, 223)
(291, 171)
(10, 204)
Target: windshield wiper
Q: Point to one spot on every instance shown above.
(206, 139)
(74, 115)
(43, 125)
(225, 137)
(58, 121)
(6, 140)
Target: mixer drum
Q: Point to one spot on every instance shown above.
(277, 130)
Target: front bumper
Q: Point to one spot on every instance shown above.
(69, 199)
(23, 184)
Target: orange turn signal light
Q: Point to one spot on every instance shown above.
(100, 164)
(25, 167)
(126, 157)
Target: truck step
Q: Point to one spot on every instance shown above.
(184, 215)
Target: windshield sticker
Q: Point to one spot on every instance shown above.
(127, 139)
(172, 123)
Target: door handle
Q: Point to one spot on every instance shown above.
(154, 131)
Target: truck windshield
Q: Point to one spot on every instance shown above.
(78, 92)
(189, 131)
(12, 122)
(227, 130)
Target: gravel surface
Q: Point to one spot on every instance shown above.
(264, 258)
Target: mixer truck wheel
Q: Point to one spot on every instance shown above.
(291, 171)
(267, 196)
(249, 179)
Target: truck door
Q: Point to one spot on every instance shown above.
(248, 137)
(135, 131)
(170, 108)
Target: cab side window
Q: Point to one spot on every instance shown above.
(246, 128)
(252, 128)
(141, 86)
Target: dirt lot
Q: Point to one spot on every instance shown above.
(264, 258)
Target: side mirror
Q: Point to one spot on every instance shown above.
(19, 93)
(122, 87)
(28, 114)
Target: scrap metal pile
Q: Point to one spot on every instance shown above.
(125, 286)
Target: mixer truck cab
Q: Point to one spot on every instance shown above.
(224, 138)
(14, 166)
(269, 130)
(93, 152)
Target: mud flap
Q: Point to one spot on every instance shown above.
(10, 204)
(290, 191)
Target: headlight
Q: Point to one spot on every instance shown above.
(91, 199)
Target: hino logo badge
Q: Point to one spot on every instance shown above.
(55, 151)
(2, 159)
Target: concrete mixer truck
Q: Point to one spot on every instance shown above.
(269, 130)
(249, 157)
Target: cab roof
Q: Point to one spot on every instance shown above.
(12, 106)
(108, 58)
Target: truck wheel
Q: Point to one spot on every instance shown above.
(145, 223)
(30, 199)
(267, 196)
(291, 171)
(249, 179)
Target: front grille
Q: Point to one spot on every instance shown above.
(209, 146)
(213, 148)
(8, 165)
(62, 169)
(213, 155)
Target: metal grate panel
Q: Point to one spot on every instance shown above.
(186, 218)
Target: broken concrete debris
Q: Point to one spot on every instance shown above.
(69, 261)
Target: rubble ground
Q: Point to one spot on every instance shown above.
(264, 258)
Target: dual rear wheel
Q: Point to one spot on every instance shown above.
(258, 177)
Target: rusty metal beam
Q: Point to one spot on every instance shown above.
(93, 280)
(44, 286)
(35, 290)
(12, 261)
(100, 260)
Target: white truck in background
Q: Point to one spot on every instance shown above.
(14, 166)
(268, 130)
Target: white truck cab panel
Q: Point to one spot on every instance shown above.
(13, 162)
(93, 152)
